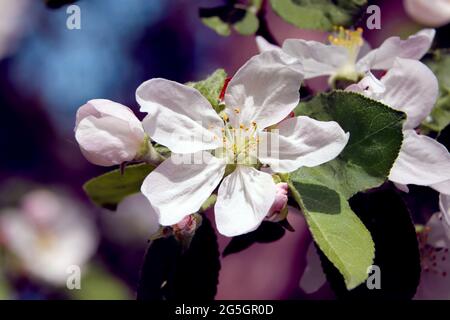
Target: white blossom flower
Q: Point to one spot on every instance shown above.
(48, 234)
(261, 94)
(109, 133)
(412, 88)
(434, 244)
(347, 55)
(434, 13)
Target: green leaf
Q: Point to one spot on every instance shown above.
(318, 14)
(375, 140)
(110, 188)
(215, 23)
(439, 118)
(211, 88)
(242, 17)
(336, 229)
(248, 25)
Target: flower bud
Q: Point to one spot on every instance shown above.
(429, 13)
(187, 226)
(109, 133)
(277, 212)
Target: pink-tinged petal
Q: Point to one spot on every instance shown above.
(434, 279)
(181, 184)
(264, 90)
(317, 59)
(301, 141)
(313, 277)
(411, 87)
(243, 201)
(369, 86)
(103, 107)
(108, 132)
(264, 45)
(434, 13)
(421, 161)
(384, 56)
(444, 206)
(108, 141)
(179, 117)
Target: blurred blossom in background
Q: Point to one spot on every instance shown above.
(47, 71)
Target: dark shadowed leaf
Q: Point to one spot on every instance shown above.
(170, 274)
(396, 250)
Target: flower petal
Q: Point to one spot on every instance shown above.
(243, 200)
(179, 116)
(317, 59)
(383, 57)
(103, 107)
(411, 87)
(264, 45)
(264, 90)
(442, 187)
(107, 141)
(180, 185)
(434, 282)
(444, 206)
(422, 161)
(302, 141)
(313, 277)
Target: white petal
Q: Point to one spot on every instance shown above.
(264, 90)
(176, 189)
(313, 277)
(369, 86)
(442, 187)
(411, 87)
(107, 141)
(302, 141)
(402, 187)
(422, 161)
(264, 45)
(243, 200)
(317, 59)
(444, 205)
(103, 107)
(179, 117)
(383, 57)
(434, 13)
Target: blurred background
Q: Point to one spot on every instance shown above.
(46, 72)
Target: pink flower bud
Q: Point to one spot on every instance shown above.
(108, 133)
(280, 202)
(187, 226)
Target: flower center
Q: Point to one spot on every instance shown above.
(432, 258)
(352, 41)
(240, 145)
